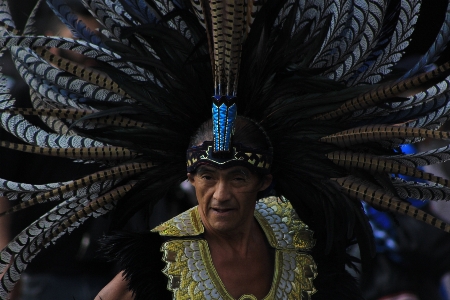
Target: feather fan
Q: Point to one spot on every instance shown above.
(316, 75)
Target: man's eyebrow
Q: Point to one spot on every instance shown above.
(203, 169)
(239, 171)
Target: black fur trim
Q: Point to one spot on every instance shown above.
(334, 282)
(139, 255)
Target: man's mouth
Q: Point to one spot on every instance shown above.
(222, 210)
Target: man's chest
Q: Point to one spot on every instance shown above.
(252, 274)
(192, 274)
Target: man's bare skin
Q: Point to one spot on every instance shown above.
(245, 267)
(116, 289)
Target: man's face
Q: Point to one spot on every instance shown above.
(226, 198)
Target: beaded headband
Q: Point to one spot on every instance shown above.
(239, 155)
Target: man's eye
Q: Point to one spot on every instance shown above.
(206, 177)
(239, 179)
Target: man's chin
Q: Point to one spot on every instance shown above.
(223, 227)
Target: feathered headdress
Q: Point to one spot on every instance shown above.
(315, 75)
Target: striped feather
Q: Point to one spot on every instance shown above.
(30, 25)
(436, 90)
(120, 11)
(432, 121)
(39, 67)
(386, 91)
(16, 191)
(315, 12)
(70, 113)
(81, 47)
(431, 157)
(379, 198)
(121, 172)
(5, 16)
(140, 12)
(199, 10)
(88, 74)
(375, 133)
(51, 226)
(24, 130)
(409, 11)
(109, 19)
(251, 9)
(95, 153)
(362, 35)
(54, 123)
(74, 114)
(76, 26)
(5, 96)
(399, 116)
(56, 96)
(339, 19)
(177, 23)
(372, 163)
(229, 26)
(435, 50)
(7, 185)
(419, 190)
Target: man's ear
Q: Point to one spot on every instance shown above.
(266, 181)
(191, 178)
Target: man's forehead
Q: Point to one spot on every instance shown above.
(234, 169)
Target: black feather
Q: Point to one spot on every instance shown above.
(139, 255)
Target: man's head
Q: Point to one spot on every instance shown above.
(227, 192)
(227, 197)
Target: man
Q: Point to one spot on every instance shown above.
(244, 251)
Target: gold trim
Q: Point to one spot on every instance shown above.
(207, 259)
(278, 265)
(271, 238)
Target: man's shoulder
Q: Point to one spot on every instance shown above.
(187, 223)
(282, 226)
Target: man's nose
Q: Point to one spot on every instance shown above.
(222, 191)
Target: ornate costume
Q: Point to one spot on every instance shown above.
(318, 78)
(189, 257)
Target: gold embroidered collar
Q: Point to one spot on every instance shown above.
(191, 271)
